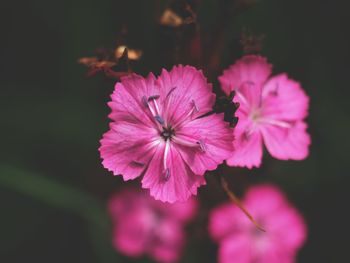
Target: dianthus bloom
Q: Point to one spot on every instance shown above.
(143, 225)
(158, 132)
(241, 242)
(271, 110)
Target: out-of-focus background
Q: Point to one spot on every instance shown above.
(53, 188)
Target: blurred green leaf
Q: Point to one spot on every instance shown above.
(68, 199)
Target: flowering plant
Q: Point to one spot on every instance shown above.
(170, 130)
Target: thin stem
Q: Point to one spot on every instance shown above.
(237, 202)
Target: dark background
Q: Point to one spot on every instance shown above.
(52, 185)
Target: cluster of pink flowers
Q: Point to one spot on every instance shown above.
(239, 241)
(144, 226)
(164, 131)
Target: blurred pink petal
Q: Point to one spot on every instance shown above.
(222, 221)
(248, 145)
(143, 225)
(235, 249)
(284, 98)
(181, 211)
(158, 131)
(273, 109)
(287, 143)
(240, 241)
(249, 69)
(168, 241)
(132, 234)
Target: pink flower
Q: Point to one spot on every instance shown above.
(241, 242)
(158, 132)
(143, 225)
(271, 110)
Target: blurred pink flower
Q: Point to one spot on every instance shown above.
(271, 109)
(158, 132)
(241, 242)
(143, 225)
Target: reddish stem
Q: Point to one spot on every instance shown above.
(238, 203)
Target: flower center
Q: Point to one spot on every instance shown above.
(167, 133)
(161, 118)
(255, 115)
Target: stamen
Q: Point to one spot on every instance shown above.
(144, 101)
(136, 163)
(166, 103)
(156, 105)
(240, 96)
(166, 152)
(202, 146)
(184, 142)
(197, 144)
(153, 97)
(155, 112)
(165, 158)
(152, 111)
(169, 92)
(283, 124)
(167, 174)
(195, 109)
(159, 119)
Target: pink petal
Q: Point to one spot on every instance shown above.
(287, 143)
(275, 254)
(181, 182)
(127, 99)
(249, 69)
(288, 228)
(248, 96)
(132, 232)
(216, 137)
(284, 99)
(283, 223)
(181, 211)
(168, 241)
(238, 238)
(264, 199)
(247, 145)
(127, 148)
(126, 202)
(222, 221)
(182, 89)
(236, 248)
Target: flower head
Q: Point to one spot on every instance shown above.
(158, 132)
(240, 241)
(271, 110)
(143, 225)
